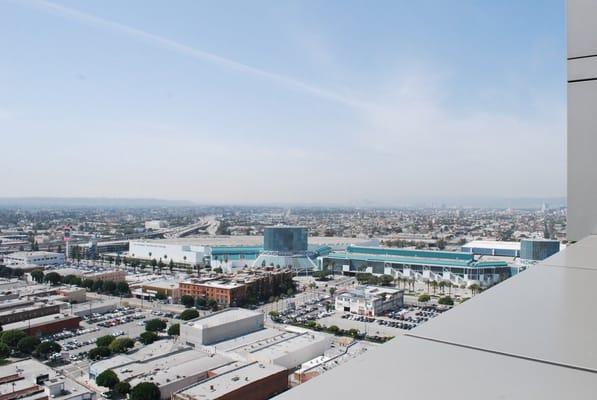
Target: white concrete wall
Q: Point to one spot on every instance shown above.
(198, 335)
(582, 118)
(176, 252)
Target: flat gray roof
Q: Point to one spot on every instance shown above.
(530, 337)
(171, 368)
(229, 379)
(30, 369)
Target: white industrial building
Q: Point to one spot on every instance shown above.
(369, 300)
(40, 258)
(156, 224)
(223, 325)
(226, 252)
(291, 350)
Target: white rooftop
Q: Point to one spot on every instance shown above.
(493, 244)
(224, 317)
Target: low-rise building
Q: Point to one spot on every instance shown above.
(239, 380)
(156, 224)
(241, 287)
(288, 350)
(149, 289)
(37, 258)
(27, 311)
(29, 379)
(223, 291)
(46, 325)
(223, 325)
(114, 275)
(73, 294)
(369, 300)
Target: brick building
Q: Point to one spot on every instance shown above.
(239, 288)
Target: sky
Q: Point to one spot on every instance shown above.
(315, 102)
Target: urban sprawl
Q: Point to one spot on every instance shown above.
(235, 302)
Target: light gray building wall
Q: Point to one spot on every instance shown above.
(224, 325)
(582, 118)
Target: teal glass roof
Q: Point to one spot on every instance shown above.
(227, 250)
(439, 261)
(450, 255)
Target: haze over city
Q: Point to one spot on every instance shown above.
(282, 102)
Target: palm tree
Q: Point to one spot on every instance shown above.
(474, 288)
(434, 286)
(442, 285)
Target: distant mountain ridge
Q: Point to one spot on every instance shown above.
(34, 202)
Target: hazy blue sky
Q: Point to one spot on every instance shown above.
(282, 101)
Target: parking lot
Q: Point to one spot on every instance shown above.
(320, 310)
(124, 321)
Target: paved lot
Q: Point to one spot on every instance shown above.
(131, 329)
(370, 328)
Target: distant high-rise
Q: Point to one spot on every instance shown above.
(537, 249)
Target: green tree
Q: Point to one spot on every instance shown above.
(37, 275)
(11, 337)
(4, 351)
(187, 301)
(87, 283)
(44, 349)
(171, 266)
(160, 296)
(155, 325)
(353, 333)
(212, 304)
(99, 352)
(97, 286)
(28, 344)
(145, 391)
(218, 270)
(69, 279)
(121, 345)
(424, 298)
(474, 288)
(108, 379)
(333, 329)
(122, 388)
(188, 314)
(446, 300)
(109, 287)
(104, 341)
(53, 277)
(174, 330)
(386, 280)
(148, 337)
(200, 302)
(123, 288)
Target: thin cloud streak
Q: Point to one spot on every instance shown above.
(99, 22)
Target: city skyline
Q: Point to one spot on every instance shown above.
(318, 103)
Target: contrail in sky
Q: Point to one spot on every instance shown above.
(99, 22)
